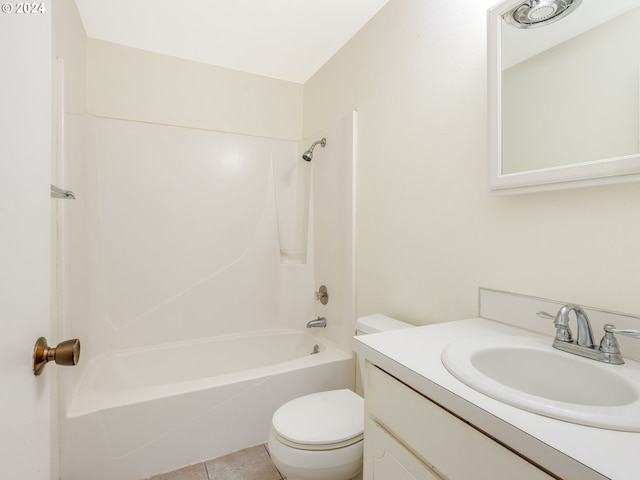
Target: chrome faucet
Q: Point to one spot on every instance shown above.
(608, 351)
(318, 322)
(563, 333)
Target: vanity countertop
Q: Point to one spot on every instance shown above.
(568, 450)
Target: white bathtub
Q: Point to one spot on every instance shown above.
(138, 413)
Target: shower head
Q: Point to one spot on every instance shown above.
(308, 155)
(537, 13)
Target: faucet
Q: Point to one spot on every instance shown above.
(563, 333)
(608, 351)
(318, 322)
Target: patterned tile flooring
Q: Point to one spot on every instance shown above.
(249, 464)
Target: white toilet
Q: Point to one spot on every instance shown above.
(319, 436)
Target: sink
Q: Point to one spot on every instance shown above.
(528, 373)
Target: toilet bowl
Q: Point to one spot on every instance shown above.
(320, 436)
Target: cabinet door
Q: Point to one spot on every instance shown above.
(458, 450)
(386, 459)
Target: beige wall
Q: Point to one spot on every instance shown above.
(132, 84)
(115, 81)
(428, 234)
(70, 44)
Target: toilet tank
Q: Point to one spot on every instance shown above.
(374, 323)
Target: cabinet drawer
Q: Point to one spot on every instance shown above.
(454, 448)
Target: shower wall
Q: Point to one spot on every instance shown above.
(333, 180)
(178, 234)
(174, 235)
(182, 231)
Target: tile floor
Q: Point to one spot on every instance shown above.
(249, 464)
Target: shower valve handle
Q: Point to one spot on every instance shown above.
(322, 295)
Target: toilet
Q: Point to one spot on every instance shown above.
(320, 436)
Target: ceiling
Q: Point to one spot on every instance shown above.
(284, 39)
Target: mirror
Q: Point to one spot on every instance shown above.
(564, 96)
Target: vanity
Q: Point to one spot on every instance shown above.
(424, 423)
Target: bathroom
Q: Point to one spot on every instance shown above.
(427, 234)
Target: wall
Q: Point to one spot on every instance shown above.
(176, 231)
(428, 233)
(182, 236)
(133, 84)
(333, 170)
(70, 44)
(109, 80)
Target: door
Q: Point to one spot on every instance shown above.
(25, 152)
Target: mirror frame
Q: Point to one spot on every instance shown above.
(598, 172)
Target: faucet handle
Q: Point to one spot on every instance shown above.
(322, 295)
(609, 345)
(608, 328)
(563, 332)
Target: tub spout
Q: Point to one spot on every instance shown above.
(318, 322)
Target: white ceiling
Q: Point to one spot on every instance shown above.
(284, 39)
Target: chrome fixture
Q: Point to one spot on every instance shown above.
(308, 155)
(608, 351)
(609, 345)
(316, 349)
(65, 353)
(537, 13)
(57, 192)
(563, 333)
(322, 295)
(318, 322)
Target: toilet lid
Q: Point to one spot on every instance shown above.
(321, 418)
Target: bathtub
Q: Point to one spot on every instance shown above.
(138, 413)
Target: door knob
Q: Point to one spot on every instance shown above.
(65, 353)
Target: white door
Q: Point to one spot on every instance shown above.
(25, 152)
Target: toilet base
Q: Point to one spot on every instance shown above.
(337, 464)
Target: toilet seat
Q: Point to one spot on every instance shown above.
(320, 421)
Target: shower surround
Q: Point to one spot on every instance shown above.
(182, 235)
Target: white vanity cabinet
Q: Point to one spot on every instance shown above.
(407, 437)
(386, 458)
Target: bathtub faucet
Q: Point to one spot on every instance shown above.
(318, 322)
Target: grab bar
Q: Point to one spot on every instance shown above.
(60, 193)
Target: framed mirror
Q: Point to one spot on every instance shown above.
(564, 93)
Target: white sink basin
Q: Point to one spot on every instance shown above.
(530, 374)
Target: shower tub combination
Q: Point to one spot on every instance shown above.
(138, 413)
